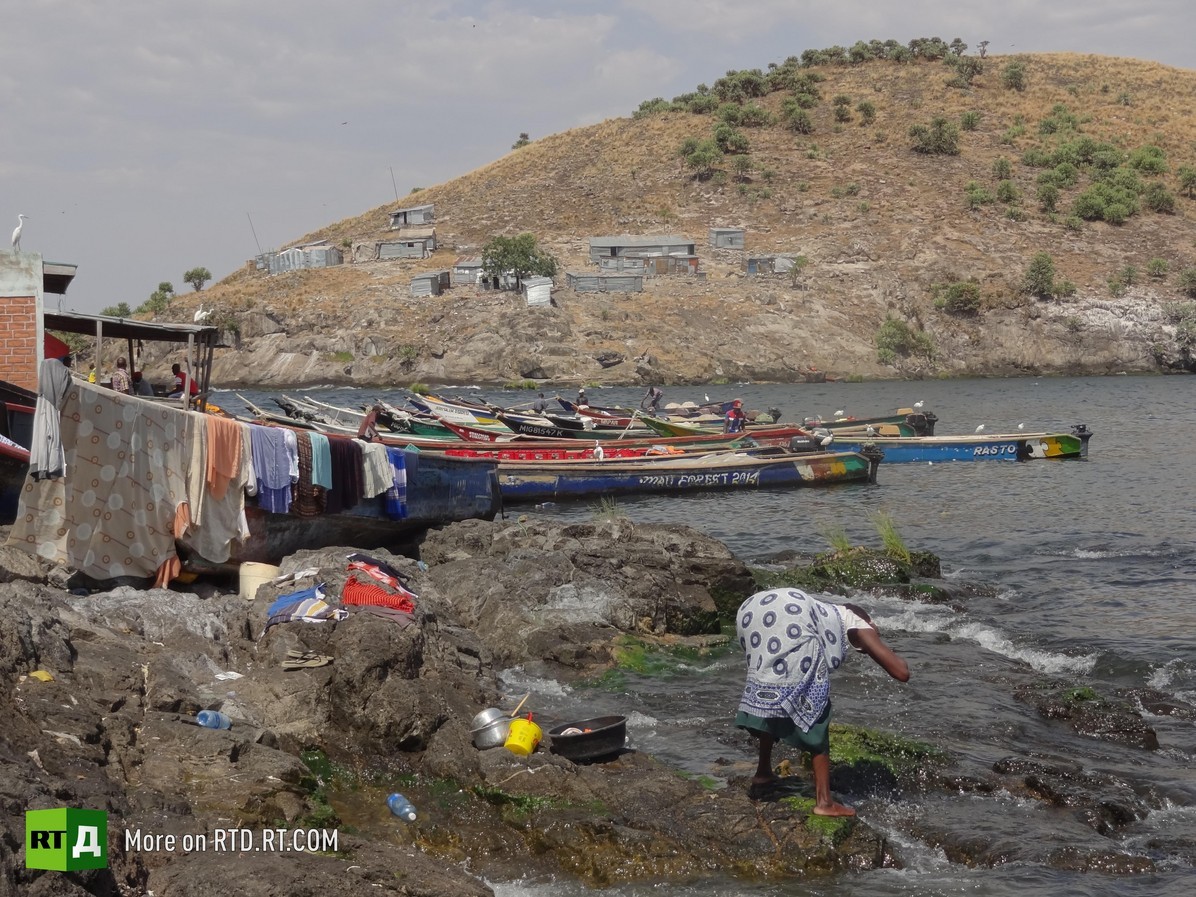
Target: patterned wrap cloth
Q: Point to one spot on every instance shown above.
(792, 642)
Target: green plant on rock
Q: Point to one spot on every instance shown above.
(897, 339)
(836, 537)
(1187, 181)
(959, 298)
(1013, 76)
(1002, 169)
(1156, 268)
(1039, 279)
(970, 120)
(867, 111)
(886, 528)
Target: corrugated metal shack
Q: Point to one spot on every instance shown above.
(409, 243)
(759, 265)
(726, 237)
(425, 214)
(312, 255)
(612, 247)
(585, 282)
(433, 283)
(538, 290)
(467, 270)
(672, 264)
(626, 264)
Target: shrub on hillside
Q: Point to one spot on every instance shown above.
(1187, 180)
(959, 298)
(1039, 279)
(1157, 267)
(1158, 198)
(1148, 159)
(867, 112)
(1002, 169)
(796, 118)
(1007, 192)
(941, 137)
(897, 339)
(1013, 76)
(1187, 281)
(970, 120)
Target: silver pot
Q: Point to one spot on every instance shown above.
(486, 717)
(493, 734)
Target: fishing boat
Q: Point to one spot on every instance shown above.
(473, 413)
(974, 447)
(556, 480)
(922, 422)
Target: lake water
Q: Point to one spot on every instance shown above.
(1090, 567)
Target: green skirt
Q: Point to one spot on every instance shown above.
(783, 729)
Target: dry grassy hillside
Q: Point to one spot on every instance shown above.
(880, 224)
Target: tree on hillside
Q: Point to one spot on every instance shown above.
(120, 310)
(523, 140)
(197, 277)
(1040, 276)
(519, 256)
(159, 299)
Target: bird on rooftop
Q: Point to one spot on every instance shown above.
(201, 313)
(16, 234)
(980, 429)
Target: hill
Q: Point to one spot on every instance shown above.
(917, 261)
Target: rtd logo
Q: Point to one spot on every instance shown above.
(66, 840)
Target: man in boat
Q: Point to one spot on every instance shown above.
(581, 396)
(540, 405)
(121, 381)
(792, 643)
(651, 400)
(141, 386)
(180, 378)
(734, 420)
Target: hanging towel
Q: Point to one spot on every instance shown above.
(224, 454)
(321, 461)
(375, 468)
(396, 495)
(346, 475)
(309, 498)
(47, 460)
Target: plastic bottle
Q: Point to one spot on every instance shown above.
(401, 807)
(213, 719)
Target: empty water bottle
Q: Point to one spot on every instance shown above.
(401, 807)
(213, 719)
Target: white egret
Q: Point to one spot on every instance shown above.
(826, 440)
(980, 429)
(707, 397)
(201, 313)
(871, 430)
(16, 234)
(598, 453)
(919, 403)
(1021, 426)
(840, 413)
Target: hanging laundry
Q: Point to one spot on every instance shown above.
(347, 483)
(396, 495)
(272, 466)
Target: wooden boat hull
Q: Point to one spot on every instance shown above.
(458, 414)
(940, 449)
(525, 482)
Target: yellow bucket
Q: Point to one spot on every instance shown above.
(523, 738)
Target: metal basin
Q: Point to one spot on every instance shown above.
(486, 717)
(493, 734)
(607, 735)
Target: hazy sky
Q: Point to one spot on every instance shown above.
(141, 138)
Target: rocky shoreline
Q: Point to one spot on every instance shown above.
(112, 727)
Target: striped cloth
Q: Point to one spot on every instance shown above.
(357, 592)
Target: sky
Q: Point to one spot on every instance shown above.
(147, 137)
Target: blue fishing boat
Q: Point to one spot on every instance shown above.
(975, 447)
(554, 480)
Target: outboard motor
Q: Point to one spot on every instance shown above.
(1082, 431)
(804, 445)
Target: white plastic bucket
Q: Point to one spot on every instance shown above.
(253, 575)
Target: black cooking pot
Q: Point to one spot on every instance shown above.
(607, 735)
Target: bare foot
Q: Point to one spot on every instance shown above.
(834, 809)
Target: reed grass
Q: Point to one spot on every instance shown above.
(836, 537)
(886, 528)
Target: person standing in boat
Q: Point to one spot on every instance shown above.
(734, 420)
(121, 381)
(540, 405)
(792, 643)
(651, 400)
(581, 396)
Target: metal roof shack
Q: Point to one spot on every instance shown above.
(538, 290)
(727, 237)
(585, 282)
(309, 255)
(467, 270)
(756, 265)
(431, 283)
(424, 214)
(409, 243)
(667, 244)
